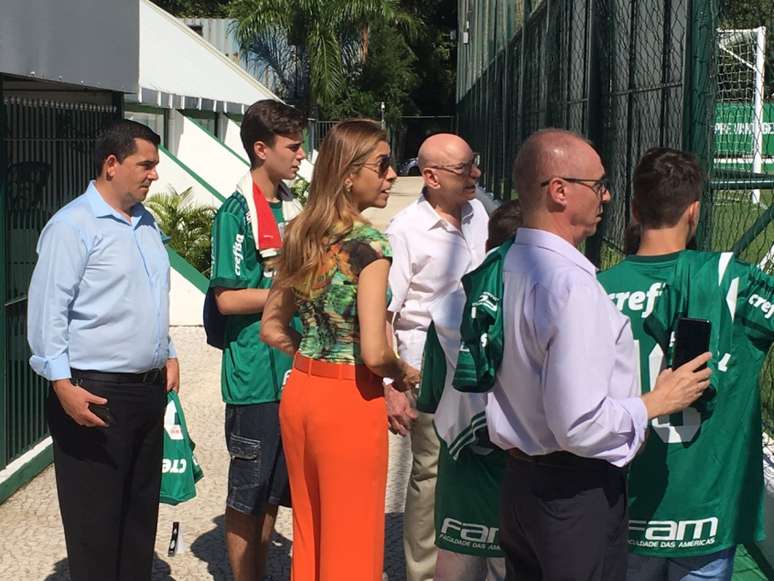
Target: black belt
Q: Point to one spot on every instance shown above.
(563, 459)
(152, 376)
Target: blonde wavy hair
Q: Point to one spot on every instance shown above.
(330, 211)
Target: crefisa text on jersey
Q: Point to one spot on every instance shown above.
(638, 300)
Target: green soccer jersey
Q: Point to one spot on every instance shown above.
(251, 371)
(467, 492)
(697, 487)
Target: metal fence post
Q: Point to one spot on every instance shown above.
(594, 116)
(699, 100)
(3, 277)
(520, 132)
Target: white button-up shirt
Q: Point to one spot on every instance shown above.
(429, 257)
(567, 380)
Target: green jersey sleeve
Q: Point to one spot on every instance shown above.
(755, 306)
(481, 347)
(433, 373)
(228, 252)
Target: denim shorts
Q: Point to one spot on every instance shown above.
(257, 475)
(715, 566)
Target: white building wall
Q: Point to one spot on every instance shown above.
(204, 154)
(229, 134)
(173, 176)
(186, 301)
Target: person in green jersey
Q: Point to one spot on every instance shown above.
(245, 233)
(696, 489)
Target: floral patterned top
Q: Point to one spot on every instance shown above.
(329, 311)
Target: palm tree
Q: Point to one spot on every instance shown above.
(187, 224)
(311, 45)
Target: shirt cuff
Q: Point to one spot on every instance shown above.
(172, 352)
(639, 414)
(52, 369)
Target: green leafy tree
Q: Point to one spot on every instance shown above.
(388, 75)
(195, 8)
(434, 92)
(187, 224)
(324, 39)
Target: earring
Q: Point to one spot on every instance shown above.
(348, 187)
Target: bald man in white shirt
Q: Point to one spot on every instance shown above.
(566, 404)
(434, 242)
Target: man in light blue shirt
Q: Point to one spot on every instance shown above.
(98, 328)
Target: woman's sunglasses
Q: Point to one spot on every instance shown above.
(381, 166)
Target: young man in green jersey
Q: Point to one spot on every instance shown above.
(247, 231)
(696, 489)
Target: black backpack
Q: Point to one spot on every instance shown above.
(214, 321)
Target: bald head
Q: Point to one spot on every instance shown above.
(443, 149)
(545, 154)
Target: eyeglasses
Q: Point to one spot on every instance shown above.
(599, 186)
(382, 164)
(461, 169)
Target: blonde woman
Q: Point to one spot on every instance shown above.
(333, 271)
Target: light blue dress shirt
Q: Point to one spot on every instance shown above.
(568, 380)
(99, 295)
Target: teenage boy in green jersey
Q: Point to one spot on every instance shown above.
(696, 489)
(245, 233)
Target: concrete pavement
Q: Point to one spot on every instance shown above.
(32, 544)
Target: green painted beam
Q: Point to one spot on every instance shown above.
(26, 473)
(187, 271)
(4, 161)
(214, 138)
(193, 174)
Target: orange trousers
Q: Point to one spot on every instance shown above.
(334, 434)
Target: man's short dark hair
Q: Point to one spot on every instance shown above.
(666, 182)
(266, 119)
(118, 139)
(503, 223)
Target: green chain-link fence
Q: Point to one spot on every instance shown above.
(630, 76)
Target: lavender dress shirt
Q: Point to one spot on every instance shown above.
(568, 377)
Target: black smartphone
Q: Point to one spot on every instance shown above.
(103, 413)
(691, 340)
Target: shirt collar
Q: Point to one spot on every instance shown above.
(554, 243)
(431, 218)
(102, 209)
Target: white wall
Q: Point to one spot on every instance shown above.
(305, 171)
(173, 176)
(186, 301)
(204, 154)
(229, 134)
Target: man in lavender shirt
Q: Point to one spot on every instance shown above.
(566, 404)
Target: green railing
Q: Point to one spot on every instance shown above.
(46, 159)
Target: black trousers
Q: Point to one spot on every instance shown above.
(108, 482)
(564, 521)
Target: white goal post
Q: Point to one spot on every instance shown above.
(742, 56)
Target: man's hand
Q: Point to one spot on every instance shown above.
(173, 374)
(409, 378)
(75, 401)
(400, 414)
(676, 390)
